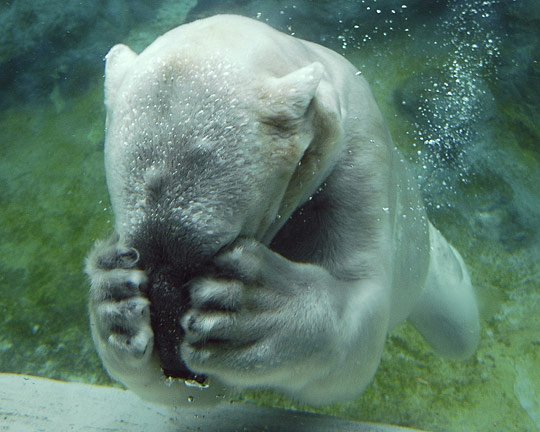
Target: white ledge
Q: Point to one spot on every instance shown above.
(36, 404)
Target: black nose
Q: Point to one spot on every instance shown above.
(169, 300)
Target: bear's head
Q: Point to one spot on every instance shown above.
(199, 151)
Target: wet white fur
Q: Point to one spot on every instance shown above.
(318, 290)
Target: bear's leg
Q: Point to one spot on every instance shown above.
(446, 313)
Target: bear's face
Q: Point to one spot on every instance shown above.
(197, 155)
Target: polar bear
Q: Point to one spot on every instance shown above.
(267, 231)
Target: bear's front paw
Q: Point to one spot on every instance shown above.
(256, 317)
(119, 308)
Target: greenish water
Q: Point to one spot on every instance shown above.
(54, 205)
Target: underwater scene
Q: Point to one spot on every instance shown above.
(458, 83)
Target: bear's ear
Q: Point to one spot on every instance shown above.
(287, 98)
(117, 62)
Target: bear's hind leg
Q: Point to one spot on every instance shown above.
(446, 313)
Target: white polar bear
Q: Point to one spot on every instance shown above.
(268, 234)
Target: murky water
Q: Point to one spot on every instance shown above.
(459, 84)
